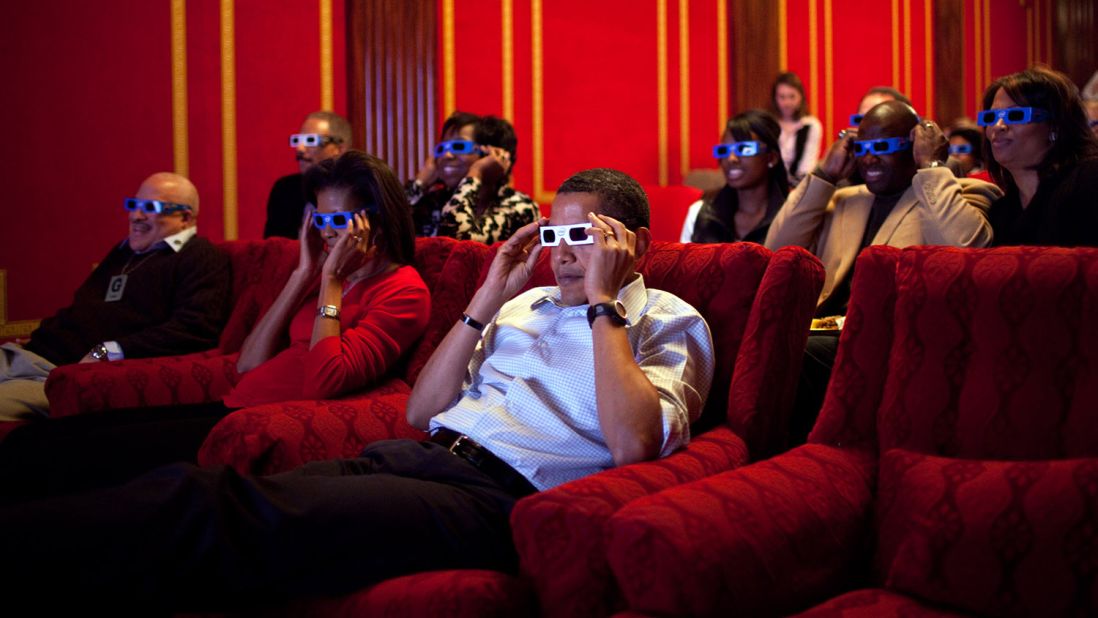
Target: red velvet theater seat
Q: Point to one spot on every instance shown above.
(280, 436)
(953, 469)
(260, 269)
(758, 305)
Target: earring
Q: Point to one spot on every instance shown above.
(771, 164)
(1052, 136)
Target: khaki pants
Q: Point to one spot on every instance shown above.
(22, 383)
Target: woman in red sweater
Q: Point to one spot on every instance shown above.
(352, 307)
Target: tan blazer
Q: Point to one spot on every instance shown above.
(937, 209)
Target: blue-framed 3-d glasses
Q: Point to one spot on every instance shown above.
(1011, 115)
(551, 235)
(456, 146)
(153, 207)
(741, 149)
(337, 220)
(312, 140)
(883, 146)
(960, 149)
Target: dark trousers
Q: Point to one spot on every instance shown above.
(58, 456)
(185, 538)
(819, 359)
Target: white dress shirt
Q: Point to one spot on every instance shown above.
(529, 396)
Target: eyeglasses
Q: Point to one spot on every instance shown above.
(881, 146)
(153, 207)
(1011, 115)
(312, 140)
(337, 220)
(742, 149)
(956, 149)
(551, 235)
(456, 146)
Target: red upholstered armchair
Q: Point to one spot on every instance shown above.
(260, 269)
(280, 436)
(953, 469)
(758, 305)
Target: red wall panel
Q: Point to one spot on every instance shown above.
(89, 90)
(88, 104)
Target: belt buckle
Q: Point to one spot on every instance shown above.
(467, 449)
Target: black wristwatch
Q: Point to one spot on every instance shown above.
(99, 352)
(615, 311)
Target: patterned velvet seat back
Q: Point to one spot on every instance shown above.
(973, 375)
(449, 268)
(260, 270)
(995, 354)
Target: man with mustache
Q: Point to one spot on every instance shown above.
(910, 197)
(323, 135)
(161, 291)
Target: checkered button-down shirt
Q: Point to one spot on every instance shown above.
(529, 396)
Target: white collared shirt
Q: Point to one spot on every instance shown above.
(174, 242)
(529, 396)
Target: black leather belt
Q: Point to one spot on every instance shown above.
(465, 447)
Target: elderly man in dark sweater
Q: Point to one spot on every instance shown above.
(161, 291)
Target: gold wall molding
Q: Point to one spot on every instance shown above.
(722, 65)
(928, 56)
(684, 87)
(783, 35)
(896, 45)
(19, 328)
(449, 88)
(814, 57)
(327, 72)
(661, 89)
(536, 60)
(180, 154)
(507, 57)
(829, 63)
(907, 49)
(228, 118)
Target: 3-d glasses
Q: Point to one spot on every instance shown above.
(1011, 115)
(856, 119)
(456, 146)
(312, 140)
(959, 149)
(551, 235)
(337, 220)
(883, 146)
(153, 207)
(742, 149)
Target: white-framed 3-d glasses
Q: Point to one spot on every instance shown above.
(551, 235)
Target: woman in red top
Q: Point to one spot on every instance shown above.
(351, 308)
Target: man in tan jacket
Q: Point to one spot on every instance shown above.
(909, 198)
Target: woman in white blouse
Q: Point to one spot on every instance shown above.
(801, 133)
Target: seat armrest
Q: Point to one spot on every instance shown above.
(560, 533)
(167, 380)
(764, 539)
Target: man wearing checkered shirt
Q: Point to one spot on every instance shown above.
(521, 395)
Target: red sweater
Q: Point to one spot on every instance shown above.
(380, 319)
